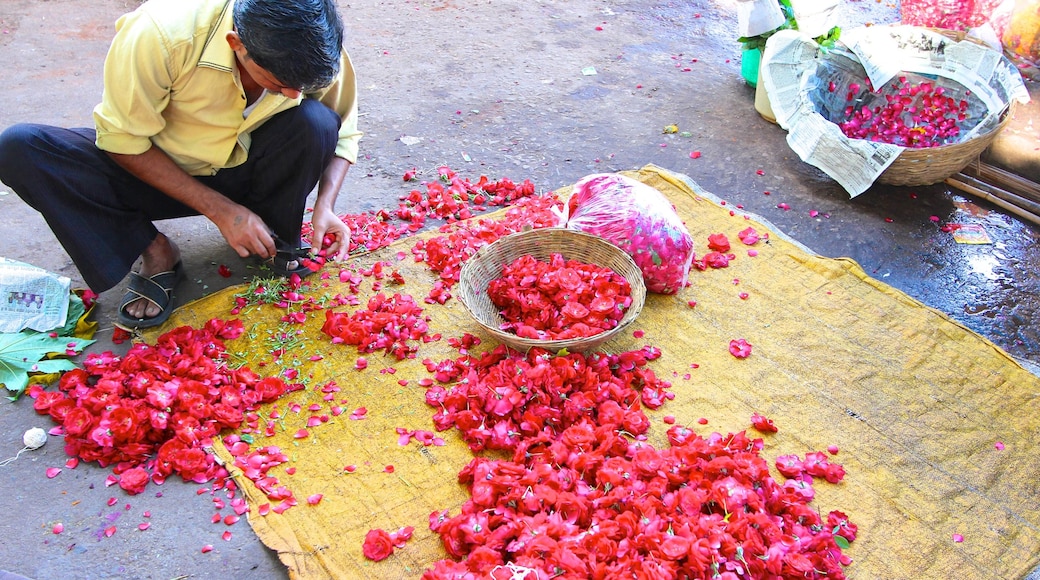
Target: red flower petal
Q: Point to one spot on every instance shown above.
(762, 423)
(58, 528)
(740, 348)
(53, 472)
(314, 499)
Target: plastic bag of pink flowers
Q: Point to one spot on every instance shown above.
(640, 220)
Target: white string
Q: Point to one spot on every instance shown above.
(8, 461)
(33, 439)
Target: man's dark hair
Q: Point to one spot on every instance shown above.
(297, 41)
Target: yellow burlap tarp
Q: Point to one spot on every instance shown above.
(915, 402)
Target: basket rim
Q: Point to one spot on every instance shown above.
(638, 291)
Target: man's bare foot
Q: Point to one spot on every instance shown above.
(161, 256)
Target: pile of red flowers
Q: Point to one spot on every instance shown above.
(445, 254)
(584, 496)
(151, 412)
(450, 197)
(393, 325)
(559, 299)
(915, 115)
(504, 400)
(593, 504)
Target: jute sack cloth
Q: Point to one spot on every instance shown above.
(915, 402)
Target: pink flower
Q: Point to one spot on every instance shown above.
(740, 348)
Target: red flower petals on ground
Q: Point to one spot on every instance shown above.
(763, 424)
(739, 348)
(748, 236)
(718, 242)
(501, 398)
(151, 412)
(393, 325)
(590, 503)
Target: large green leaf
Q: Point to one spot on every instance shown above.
(26, 352)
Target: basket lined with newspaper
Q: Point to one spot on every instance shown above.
(575, 261)
(901, 105)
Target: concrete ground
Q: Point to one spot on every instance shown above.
(494, 88)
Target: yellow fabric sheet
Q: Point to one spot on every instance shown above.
(915, 402)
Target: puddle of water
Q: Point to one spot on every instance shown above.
(984, 265)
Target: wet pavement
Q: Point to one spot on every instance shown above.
(498, 89)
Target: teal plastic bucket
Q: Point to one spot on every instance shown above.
(749, 62)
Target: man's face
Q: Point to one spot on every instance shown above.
(260, 76)
(265, 79)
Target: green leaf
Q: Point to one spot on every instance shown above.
(842, 542)
(76, 311)
(28, 351)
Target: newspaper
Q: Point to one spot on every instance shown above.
(799, 78)
(31, 297)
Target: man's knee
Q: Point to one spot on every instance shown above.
(321, 122)
(14, 148)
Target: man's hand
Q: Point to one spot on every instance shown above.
(244, 231)
(326, 223)
(324, 218)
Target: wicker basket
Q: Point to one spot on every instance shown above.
(486, 265)
(929, 165)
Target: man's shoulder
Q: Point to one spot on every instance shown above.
(184, 17)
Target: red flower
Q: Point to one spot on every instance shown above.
(716, 260)
(763, 424)
(748, 236)
(378, 545)
(718, 243)
(134, 480)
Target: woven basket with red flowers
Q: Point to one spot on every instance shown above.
(552, 288)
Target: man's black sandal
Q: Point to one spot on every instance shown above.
(157, 289)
